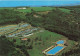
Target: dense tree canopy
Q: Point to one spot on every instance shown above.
(58, 21)
(8, 16)
(7, 48)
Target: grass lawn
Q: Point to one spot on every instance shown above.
(18, 41)
(65, 10)
(24, 10)
(45, 40)
(42, 8)
(37, 9)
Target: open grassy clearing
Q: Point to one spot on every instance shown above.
(42, 8)
(47, 39)
(43, 40)
(24, 10)
(37, 9)
(65, 10)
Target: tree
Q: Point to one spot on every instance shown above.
(7, 48)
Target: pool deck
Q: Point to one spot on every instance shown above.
(50, 48)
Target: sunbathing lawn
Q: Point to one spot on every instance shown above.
(45, 40)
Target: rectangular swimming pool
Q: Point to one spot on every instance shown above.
(55, 50)
(60, 42)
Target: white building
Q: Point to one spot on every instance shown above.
(21, 8)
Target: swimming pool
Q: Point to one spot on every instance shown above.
(55, 50)
(60, 42)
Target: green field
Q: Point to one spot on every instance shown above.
(37, 9)
(65, 10)
(43, 40)
(24, 10)
(47, 39)
(42, 8)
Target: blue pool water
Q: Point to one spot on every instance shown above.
(55, 50)
(60, 42)
(37, 3)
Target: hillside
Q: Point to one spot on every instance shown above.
(41, 40)
(8, 48)
(61, 20)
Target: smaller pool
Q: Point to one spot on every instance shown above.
(60, 42)
(55, 50)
